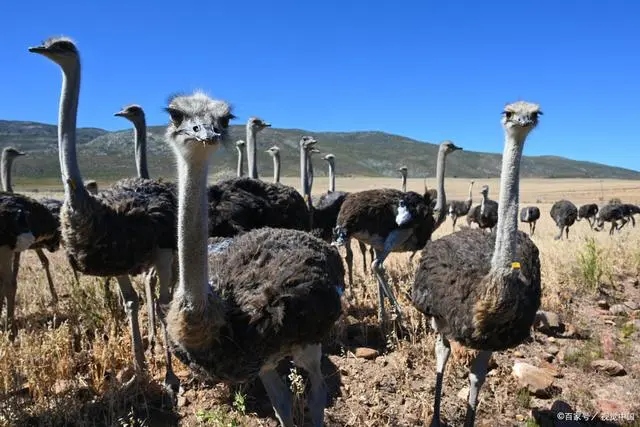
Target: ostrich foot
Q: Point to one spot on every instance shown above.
(172, 387)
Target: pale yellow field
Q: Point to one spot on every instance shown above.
(65, 366)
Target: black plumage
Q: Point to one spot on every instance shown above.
(588, 212)
(612, 213)
(530, 215)
(564, 214)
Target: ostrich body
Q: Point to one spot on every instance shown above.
(267, 295)
(483, 291)
(564, 214)
(612, 213)
(124, 230)
(473, 215)
(392, 221)
(458, 208)
(9, 154)
(488, 214)
(588, 212)
(629, 210)
(275, 154)
(240, 149)
(530, 215)
(403, 174)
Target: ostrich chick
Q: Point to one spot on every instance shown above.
(483, 291)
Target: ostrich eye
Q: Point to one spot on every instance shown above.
(507, 114)
(196, 128)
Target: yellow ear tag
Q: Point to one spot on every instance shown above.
(515, 265)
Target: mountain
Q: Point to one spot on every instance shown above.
(109, 155)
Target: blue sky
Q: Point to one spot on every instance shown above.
(428, 70)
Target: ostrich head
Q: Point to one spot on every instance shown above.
(273, 150)
(240, 144)
(11, 153)
(198, 125)
(403, 170)
(257, 124)
(330, 158)
(308, 143)
(449, 147)
(484, 190)
(133, 113)
(60, 50)
(519, 118)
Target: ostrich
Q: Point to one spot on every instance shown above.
(487, 216)
(135, 114)
(254, 125)
(483, 291)
(403, 173)
(612, 213)
(458, 208)
(629, 210)
(9, 154)
(267, 295)
(126, 229)
(588, 212)
(240, 149)
(564, 214)
(275, 153)
(392, 221)
(530, 215)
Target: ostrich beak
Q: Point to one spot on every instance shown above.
(120, 114)
(38, 49)
(267, 125)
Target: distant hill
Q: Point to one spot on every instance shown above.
(109, 155)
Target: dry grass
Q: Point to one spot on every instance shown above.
(68, 362)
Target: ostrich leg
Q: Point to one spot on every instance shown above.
(279, 395)
(45, 264)
(396, 238)
(533, 230)
(7, 288)
(476, 380)
(567, 231)
(309, 358)
(443, 350)
(363, 251)
(349, 260)
(130, 302)
(150, 288)
(559, 236)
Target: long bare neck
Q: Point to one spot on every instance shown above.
(470, 197)
(332, 176)
(442, 198)
(193, 231)
(404, 183)
(305, 184)
(73, 186)
(140, 143)
(6, 174)
(276, 167)
(507, 226)
(309, 172)
(240, 168)
(251, 152)
(483, 202)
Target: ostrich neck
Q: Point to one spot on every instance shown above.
(6, 174)
(332, 177)
(240, 171)
(71, 179)
(305, 183)
(276, 167)
(192, 232)
(507, 226)
(470, 198)
(485, 197)
(251, 153)
(442, 198)
(404, 183)
(310, 172)
(140, 143)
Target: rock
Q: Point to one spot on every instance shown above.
(610, 322)
(632, 305)
(537, 381)
(62, 386)
(570, 331)
(548, 322)
(603, 304)
(366, 353)
(520, 417)
(609, 367)
(518, 354)
(608, 345)
(611, 407)
(619, 309)
(552, 370)
(463, 394)
(551, 339)
(183, 401)
(552, 349)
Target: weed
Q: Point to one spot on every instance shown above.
(524, 398)
(591, 264)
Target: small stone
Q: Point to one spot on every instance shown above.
(609, 322)
(366, 353)
(609, 367)
(552, 349)
(537, 381)
(520, 417)
(603, 304)
(632, 305)
(183, 401)
(608, 345)
(551, 339)
(463, 394)
(518, 354)
(570, 331)
(62, 386)
(619, 309)
(547, 322)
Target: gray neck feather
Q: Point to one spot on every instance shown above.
(71, 179)
(485, 197)
(507, 227)
(276, 167)
(240, 168)
(140, 143)
(442, 198)
(6, 174)
(251, 152)
(304, 173)
(404, 183)
(193, 231)
(332, 176)
(310, 172)
(470, 198)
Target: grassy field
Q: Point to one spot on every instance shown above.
(68, 362)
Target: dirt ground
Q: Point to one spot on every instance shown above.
(69, 361)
